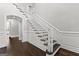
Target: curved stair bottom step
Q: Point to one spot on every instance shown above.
(55, 49)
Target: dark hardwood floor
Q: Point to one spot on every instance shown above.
(64, 52)
(3, 50)
(17, 48)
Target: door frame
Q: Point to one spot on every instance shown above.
(20, 25)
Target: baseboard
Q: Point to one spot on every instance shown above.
(70, 48)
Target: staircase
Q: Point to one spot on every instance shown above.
(42, 37)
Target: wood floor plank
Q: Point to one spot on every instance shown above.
(64, 52)
(17, 48)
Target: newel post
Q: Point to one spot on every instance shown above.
(50, 42)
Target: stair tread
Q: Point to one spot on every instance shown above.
(43, 35)
(41, 32)
(55, 47)
(46, 44)
(54, 41)
(42, 39)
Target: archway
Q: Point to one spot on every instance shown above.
(14, 26)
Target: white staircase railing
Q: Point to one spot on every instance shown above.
(53, 45)
(46, 37)
(43, 34)
(40, 35)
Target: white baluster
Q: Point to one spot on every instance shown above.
(50, 44)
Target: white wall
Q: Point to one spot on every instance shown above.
(62, 15)
(66, 18)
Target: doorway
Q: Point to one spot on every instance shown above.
(14, 26)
